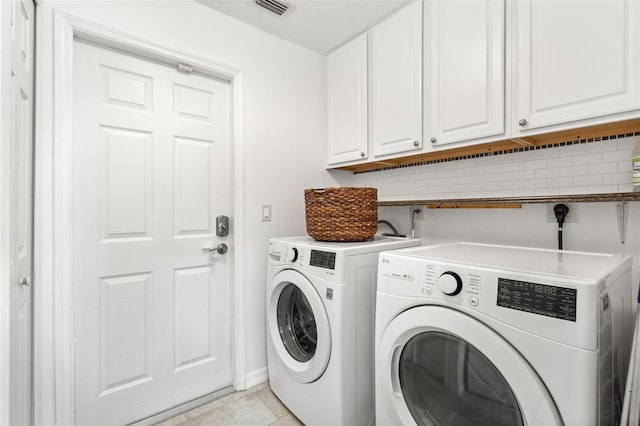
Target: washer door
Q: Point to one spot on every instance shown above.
(298, 326)
(438, 366)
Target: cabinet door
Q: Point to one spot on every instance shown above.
(465, 70)
(347, 102)
(575, 60)
(396, 82)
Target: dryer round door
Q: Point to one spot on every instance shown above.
(298, 326)
(438, 366)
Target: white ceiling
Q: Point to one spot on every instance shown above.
(319, 25)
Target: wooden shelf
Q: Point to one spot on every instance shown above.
(607, 130)
(514, 202)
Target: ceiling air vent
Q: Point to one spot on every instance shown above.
(274, 6)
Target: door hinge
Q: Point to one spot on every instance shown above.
(185, 68)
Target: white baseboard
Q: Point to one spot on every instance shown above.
(257, 377)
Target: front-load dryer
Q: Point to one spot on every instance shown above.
(474, 334)
(320, 314)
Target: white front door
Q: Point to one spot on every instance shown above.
(150, 175)
(21, 212)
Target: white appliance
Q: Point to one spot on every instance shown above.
(473, 334)
(320, 313)
(631, 406)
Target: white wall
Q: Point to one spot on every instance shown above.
(5, 137)
(585, 168)
(282, 116)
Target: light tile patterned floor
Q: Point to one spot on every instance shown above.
(257, 406)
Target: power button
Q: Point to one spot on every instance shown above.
(473, 301)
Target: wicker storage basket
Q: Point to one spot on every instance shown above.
(341, 214)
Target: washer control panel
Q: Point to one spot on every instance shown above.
(323, 259)
(449, 283)
(318, 262)
(286, 254)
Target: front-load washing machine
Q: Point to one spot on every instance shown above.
(320, 314)
(474, 334)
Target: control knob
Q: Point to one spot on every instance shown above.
(293, 254)
(450, 283)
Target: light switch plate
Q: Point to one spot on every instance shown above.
(266, 212)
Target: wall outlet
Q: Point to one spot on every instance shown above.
(572, 217)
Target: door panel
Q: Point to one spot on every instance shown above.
(125, 323)
(396, 82)
(558, 80)
(150, 174)
(194, 317)
(466, 70)
(126, 183)
(193, 198)
(21, 213)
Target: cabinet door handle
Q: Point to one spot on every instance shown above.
(434, 140)
(416, 143)
(362, 154)
(522, 122)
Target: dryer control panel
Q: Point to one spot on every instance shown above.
(541, 299)
(559, 306)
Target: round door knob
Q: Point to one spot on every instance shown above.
(450, 283)
(293, 254)
(416, 143)
(522, 122)
(434, 140)
(362, 154)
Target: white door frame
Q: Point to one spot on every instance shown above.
(54, 375)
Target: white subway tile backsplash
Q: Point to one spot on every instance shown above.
(513, 166)
(602, 168)
(575, 190)
(573, 171)
(589, 180)
(548, 191)
(625, 166)
(587, 159)
(602, 146)
(578, 168)
(535, 183)
(513, 184)
(542, 154)
(560, 162)
(503, 177)
(615, 156)
(549, 172)
(602, 189)
(560, 182)
(615, 179)
(537, 164)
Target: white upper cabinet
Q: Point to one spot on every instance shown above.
(464, 70)
(396, 82)
(347, 102)
(575, 60)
